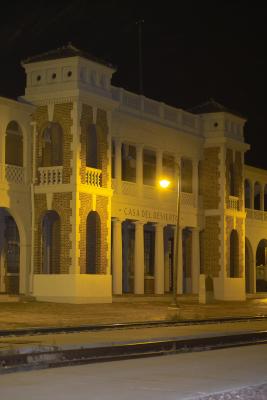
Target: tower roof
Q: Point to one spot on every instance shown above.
(212, 106)
(65, 52)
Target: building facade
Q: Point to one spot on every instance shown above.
(82, 216)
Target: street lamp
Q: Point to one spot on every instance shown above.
(164, 183)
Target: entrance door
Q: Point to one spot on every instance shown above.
(9, 254)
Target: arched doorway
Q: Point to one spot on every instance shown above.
(9, 253)
(234, 254)
(257, 196)
(52, 146)
(51, 243)
(249, 270)
(261, 266)
(93, 243)
(247, 188)
(14, 145)
(92, 156)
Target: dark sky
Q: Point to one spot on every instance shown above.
(192, 50)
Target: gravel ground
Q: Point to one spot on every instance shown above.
(28, 314)
(258, 392)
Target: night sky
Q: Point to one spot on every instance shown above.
(192, 50)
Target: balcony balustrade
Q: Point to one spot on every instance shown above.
(93, 177)
(50, 175)
(233, 203)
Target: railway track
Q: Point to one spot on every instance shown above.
(77, 356)
(128, 325)
(57, 356)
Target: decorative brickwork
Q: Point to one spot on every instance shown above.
(212, 246)
(86, 121)
(60, 204)
(209, 178)
(40, 209)
(102, 209)
(62, 116)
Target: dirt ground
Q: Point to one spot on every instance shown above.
(36, 314)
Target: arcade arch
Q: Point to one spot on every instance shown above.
(9, 253)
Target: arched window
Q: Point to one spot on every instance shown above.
(14, 144)
(52, 154)
(233, 191)
(51, 243)
(9, 253)
(257, 196)
(93, 243)
(247, 194)
(234, 254)
(186, 175)
(92, 159)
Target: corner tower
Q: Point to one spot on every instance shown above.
(221, 185)
(71, 175)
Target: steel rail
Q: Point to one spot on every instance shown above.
(78, 356)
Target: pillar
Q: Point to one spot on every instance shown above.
(167, 270)
(139, 266)
(117, 257)
(180, 275)
(195, 261)
(159, 260)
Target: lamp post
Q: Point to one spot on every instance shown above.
(164, 183)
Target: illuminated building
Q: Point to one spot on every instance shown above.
(81, 214)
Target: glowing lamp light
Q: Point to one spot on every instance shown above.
(164, 183)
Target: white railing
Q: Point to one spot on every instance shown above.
(158, 110)
(256, 214)
(93, 177)
(128, 188)
(233, 203)
(50, 175)
(14, 174)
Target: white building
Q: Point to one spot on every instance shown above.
(82, 216)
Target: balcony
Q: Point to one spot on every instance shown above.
(50, 175)
(12, 174)
(93, 177)
(259, 215)
(233, 203)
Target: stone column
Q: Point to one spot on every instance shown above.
(118, 164)
(180, 275)
(167, 270)
(117, 257)
(159, 260)
(139, 265)
(195, 267)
